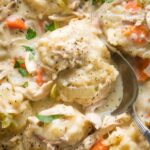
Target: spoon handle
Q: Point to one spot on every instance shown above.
(138, 122)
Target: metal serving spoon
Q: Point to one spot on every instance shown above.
(130, 90)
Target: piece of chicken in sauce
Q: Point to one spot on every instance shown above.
(59, 125)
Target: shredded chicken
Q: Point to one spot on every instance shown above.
(6, 8)
(68, 129)
(42, 7)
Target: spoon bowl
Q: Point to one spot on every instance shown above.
(130, 85)
(130, 90)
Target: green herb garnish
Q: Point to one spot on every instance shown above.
(23, 72)
(49, 118)
(18, 63)
(29, 49)
(30, 34)
(108, 1)
(25, 84)
(101, 1)
(50, 27)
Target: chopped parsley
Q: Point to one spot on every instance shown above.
(30, 34)
(23, 72)
(108, 1)
(25, 84)
(50, 27)
(101, 1)
(29, 49)
(18, 63)
(49, 118)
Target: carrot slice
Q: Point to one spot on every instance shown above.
(127, 30)
(19, 62)
(23, 66)
(132, 6)
(39, 77)
(100, 146)
(16, 24)
(141, 32)
(148, 115)
(139, 66)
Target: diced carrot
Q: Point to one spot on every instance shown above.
(141, 76)
(139, 65)
(39, 77)
(127, 30)
(19, 62)
(16, 24)
(132, 6)
(148, 115)
(100, 146)
(141, 32)
(142, 63)
(23, 65)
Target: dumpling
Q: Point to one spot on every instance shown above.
(126, 138)
(73, 45)
(79, 61)
(45, 8)
(66, 126)
(10, 100)
(14, 110)
(143, 105)
(116, 133)
(86, 85)
(126, 25)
